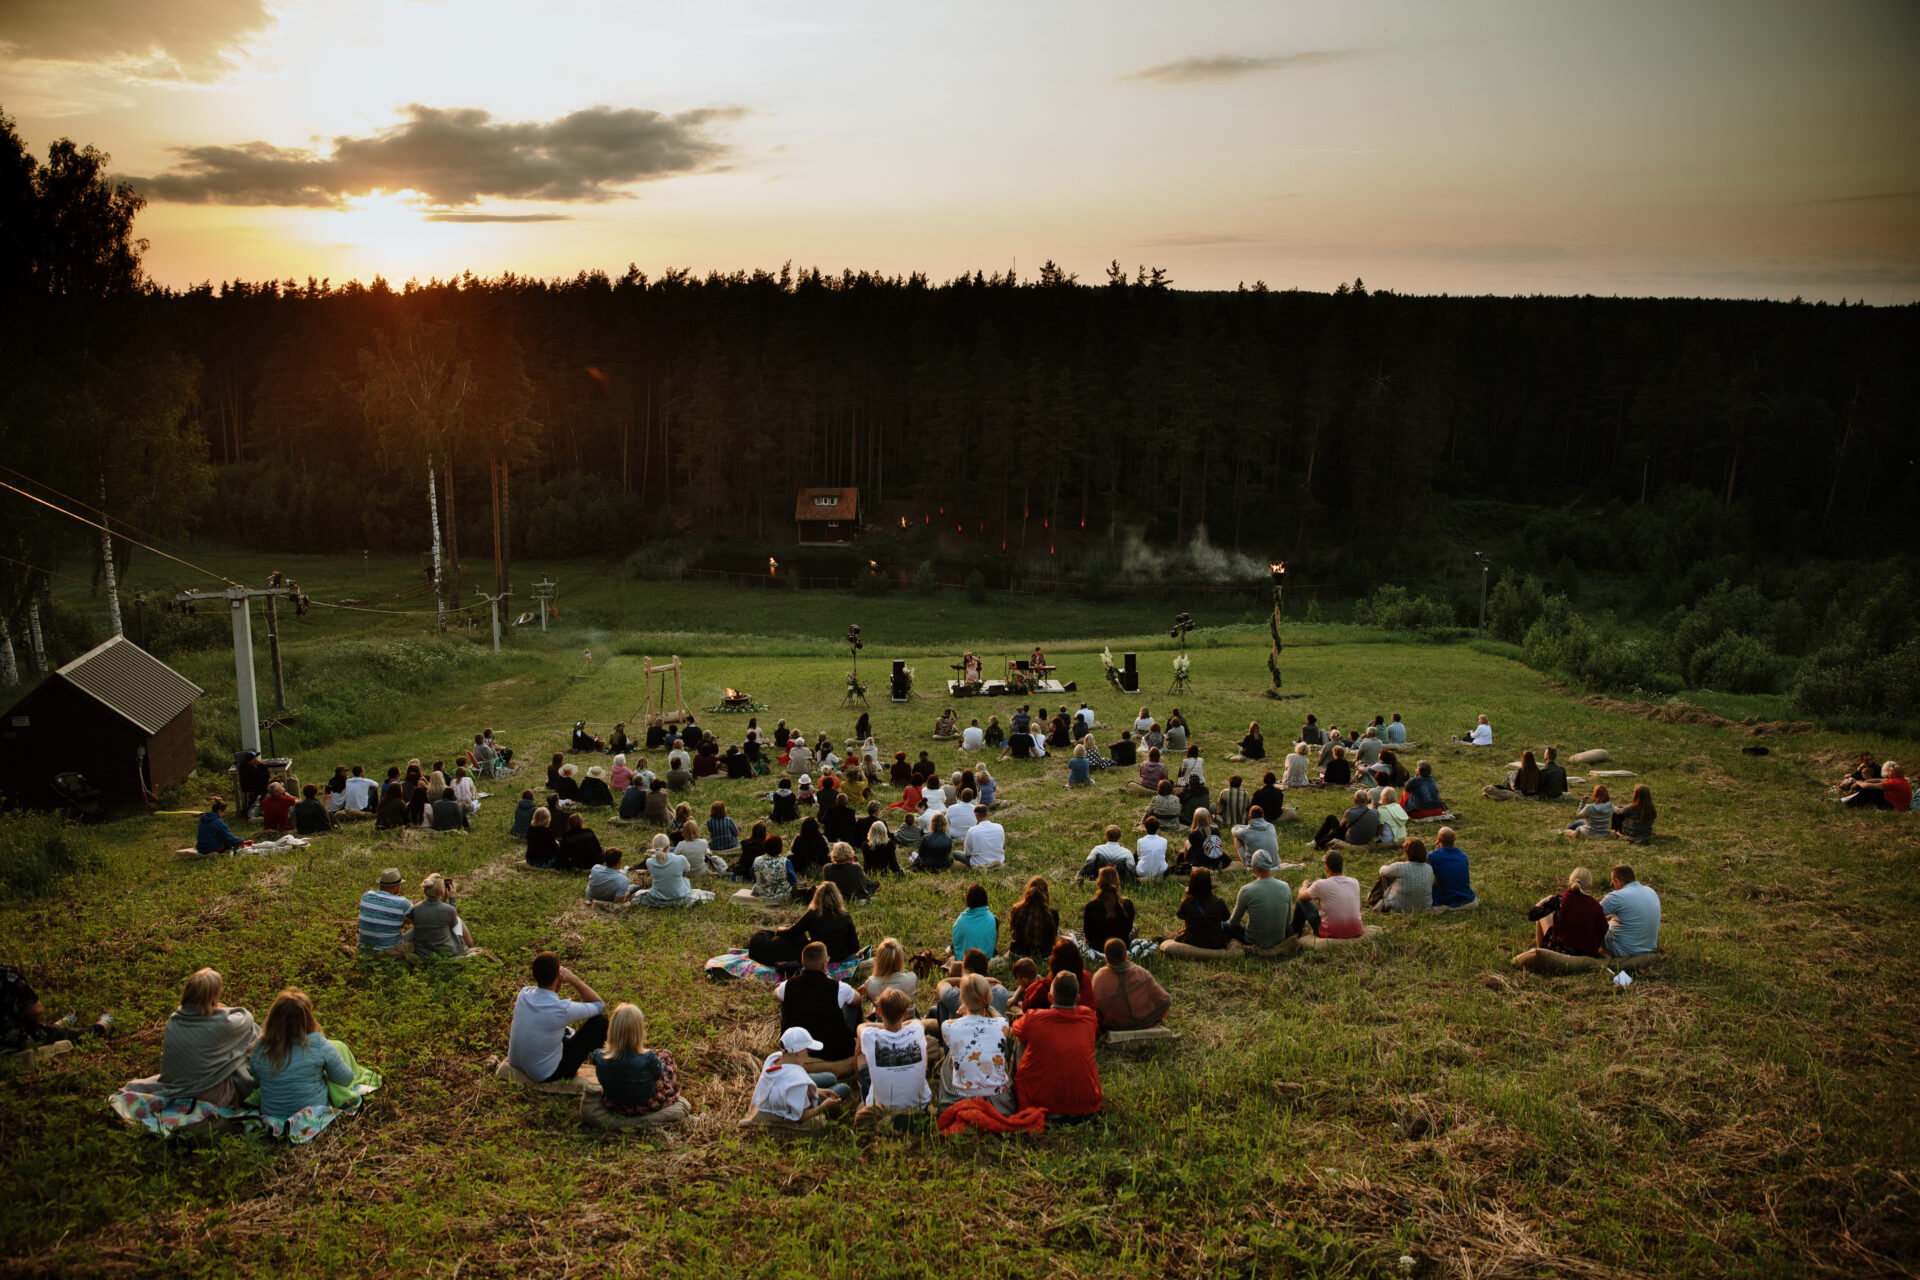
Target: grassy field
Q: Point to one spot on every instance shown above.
(1748, 1107)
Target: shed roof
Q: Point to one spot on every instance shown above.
(126, 679)
(827, 504)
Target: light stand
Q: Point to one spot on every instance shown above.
(1181, 625)
(856, 692)
(1278, 568)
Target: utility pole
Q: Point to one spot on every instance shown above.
(543, 592)
(273, 645)
(493, 608)
(140, 612)
(1486, 567)
(239, 602)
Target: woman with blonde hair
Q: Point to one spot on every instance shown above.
(1298, 771)
(298, 1068)
(204, 1051)
(695, 850)
(844, 874)
(890, 972)
(880, 851)
(636, 1080)
(436, 925)
(543, 844)
(1594, 818)
(1571, 921)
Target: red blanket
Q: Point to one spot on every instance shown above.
(979, 1116)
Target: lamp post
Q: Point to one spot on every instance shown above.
(1278, 568)
(1486, 566)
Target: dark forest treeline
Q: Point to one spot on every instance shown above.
(1270, 418)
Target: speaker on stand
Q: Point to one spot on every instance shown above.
(902, 686)
(1129, 675)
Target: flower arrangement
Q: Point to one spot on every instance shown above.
(1180, 664)
(854, 688)
(1106, 662)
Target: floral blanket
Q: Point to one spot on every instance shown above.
(137, 1103)
(736, 963)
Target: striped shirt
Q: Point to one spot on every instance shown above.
(722, 834)
(380, 916)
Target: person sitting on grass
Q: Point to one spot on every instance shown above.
(383, 914)
(1595, 817)
(1252, 747)
(1079, 772)
(465, 792)
(584, 741)
(1405, 886)
(1165, 806)
(986, 841)
(420, 809)
(1202, 913)
(543, 843)
(1452, 881)
(1481, 736)
(1389, 772)
(787, 1090)
(1423, 794)
(960, 816)
(680, 778)
(1633, 915)
(1271, 799)
(541, 1045)
(1571, 921)
(1150, 851)
(1033, 924)
(310, 816)
(1204, 848)
(879, 853)
(843, 873)
(891, 1056)
(607, 882)
(1125, 753)
(973, 737)
(22, 1025)
(448, 813)
(594, 792)
(1297, 769)
(702, 861)
(946, 996)
(1339, 770)
(523, 814)
(986, 790)
(933, 850)
(1257, 835)
(1064, 958)
(976, 927)
(977, 1062)
(825, 921)
(1152, 774)
(579, 847)
(1230, 805)
(1393, 818)
(1111, 854)
(276, 810)
(818, 1004)
(907, 837)
(437, 930)
(568, 784)
(668, 870)
(890, 972)
(1108, 914)
(1330, 907)
(636, 1080)
(943, 725)
(1553, 776)
(773, 877)
(1359, 825)
(1264, 903)
(1057, 1071)
(294, 1062)
(205, 1049)
(1523, 782)
(1890, 791)
(1125, 996)
(1634, 821)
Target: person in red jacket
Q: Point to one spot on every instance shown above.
(277, 809)
(1057, 1072)
(1572, 921)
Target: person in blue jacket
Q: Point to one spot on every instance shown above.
(214, 835)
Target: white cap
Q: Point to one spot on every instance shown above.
(797, 1040)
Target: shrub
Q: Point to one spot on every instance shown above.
(1736, 663)
(1392, 608)
(1838, 682)
(924, 578)
(1514, 607)
(39, 849)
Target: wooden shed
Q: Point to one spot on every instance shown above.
(827, 517)
(116, 714)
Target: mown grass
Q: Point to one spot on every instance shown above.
(1746, 1108)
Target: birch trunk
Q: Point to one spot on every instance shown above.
(35, 638)
(439, 586)
(106, 559)
(9, 666)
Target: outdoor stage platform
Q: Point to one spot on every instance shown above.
(999, 689)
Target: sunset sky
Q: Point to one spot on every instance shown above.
(1744, 148)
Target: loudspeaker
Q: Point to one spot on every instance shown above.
(1129, 677)
(900, 686)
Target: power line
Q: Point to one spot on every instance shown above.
(104, 529)
(88, 506)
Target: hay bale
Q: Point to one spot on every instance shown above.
(611, 908)
(1614, 773)
(593, 1111)
(28, 1059)
(1186, 951)
(1145, 1035)
(1288, 947)
(1371, 933)
(579, 1084)
(760, 1120)
(1465, 906)
(1597, 755)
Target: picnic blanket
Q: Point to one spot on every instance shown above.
(282, 845)
(978, 1115)
(139, 1104)
(736, 963)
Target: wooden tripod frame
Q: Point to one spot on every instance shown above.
(660, 713)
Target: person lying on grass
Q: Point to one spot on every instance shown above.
(1570, 922)
(540, 1043)
(1330, 907)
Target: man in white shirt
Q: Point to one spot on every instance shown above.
(1111, 854)
(1151, 863)
(960, 819)
(539, 1044)
(785, 1090)
(973, 737)
(986, 843)
(893, 1055)
(360, 791)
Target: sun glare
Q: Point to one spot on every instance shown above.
(391, 227)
